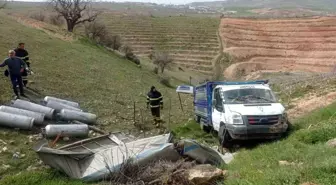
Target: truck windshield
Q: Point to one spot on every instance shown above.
(239, 96)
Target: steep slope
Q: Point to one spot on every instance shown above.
(100, 81)
(288, 45)
(103, 84)
(191, 41)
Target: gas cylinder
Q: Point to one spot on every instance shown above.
(72, 115)
(38, 117)
(16, 121)
(58, 106)
(67, 102)
(68, 130)
(22, 104)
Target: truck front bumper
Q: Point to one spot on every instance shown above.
(246, 132)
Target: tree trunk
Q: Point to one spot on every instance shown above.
(162, 68)
(70, 26)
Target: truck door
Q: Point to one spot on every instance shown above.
(217, 109)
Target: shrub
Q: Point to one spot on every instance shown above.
(56, 20)
(130, 55)
(156, 70)
(162, 60)
(165, 81)
(321, 132)
(105, 40)
(116, 42)
(3, 4)
(38, 16)
(96, 31)
(127, 50)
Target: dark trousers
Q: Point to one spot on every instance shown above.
(17, 80)
(156, 113)
(24, 76)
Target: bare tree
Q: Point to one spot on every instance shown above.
(56, 20)
(95, 30)
(3, 4)
(162, 60)
(74, 11)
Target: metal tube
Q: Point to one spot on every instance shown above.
(71, 115)
(38, 117)
(69, 130)
(47, 111)
(67, 102)
(58, 106)
(16, 121)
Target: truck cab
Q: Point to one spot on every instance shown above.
(239, 110)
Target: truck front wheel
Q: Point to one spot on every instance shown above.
(225, 139)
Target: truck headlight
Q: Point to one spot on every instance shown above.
(237, 119)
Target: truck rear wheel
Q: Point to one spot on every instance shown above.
(197, 119)
(205, 128)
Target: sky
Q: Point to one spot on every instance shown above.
(152, 1)
(166, 1)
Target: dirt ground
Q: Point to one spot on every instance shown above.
(309, 103)
(307, 45)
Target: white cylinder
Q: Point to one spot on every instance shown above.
(47, 111)
(38, 117)
(16, 121)
(71, 115)
(67, 102)
(70, 130)
(58, 106)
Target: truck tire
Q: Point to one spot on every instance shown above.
(289, 129)
(225, 140)
(197, 119)
(205, 128)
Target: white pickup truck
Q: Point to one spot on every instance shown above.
(238, 110)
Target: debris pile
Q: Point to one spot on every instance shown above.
(164, 172)
(117, 157)
(61, 118)
(125, 160)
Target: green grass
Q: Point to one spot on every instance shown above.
(307, 146)
(44, 178)
(192, 130)
(315, 161)
(103, 83)
(78, 70)
(297, 91)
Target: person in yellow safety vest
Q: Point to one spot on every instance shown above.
(155, 102)
(21, 53)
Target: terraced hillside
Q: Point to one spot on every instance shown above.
(191, 41)
(280, 45)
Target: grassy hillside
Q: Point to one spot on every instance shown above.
(100, 81)
(103, 84)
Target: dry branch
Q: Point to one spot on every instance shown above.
(162, 60)
(3, 4)
(74, 11)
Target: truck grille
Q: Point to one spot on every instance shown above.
(263, 120)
